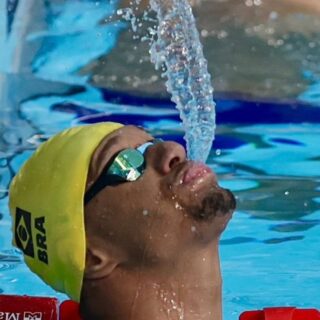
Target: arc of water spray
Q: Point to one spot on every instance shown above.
(178, 47)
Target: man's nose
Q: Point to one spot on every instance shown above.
(165, 155)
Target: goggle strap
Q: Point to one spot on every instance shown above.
(142, 149)
(99, 185)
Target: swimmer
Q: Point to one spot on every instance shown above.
(123, 224)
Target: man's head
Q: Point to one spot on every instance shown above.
(175, 207)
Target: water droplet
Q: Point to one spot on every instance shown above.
(273, 15)
(178, 206)
(249, 3)
(204, 33)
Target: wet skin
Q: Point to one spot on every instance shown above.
(159, 197)
(174, 211)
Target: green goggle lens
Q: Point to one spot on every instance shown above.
(128, 164)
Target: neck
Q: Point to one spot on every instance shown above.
(188, 290)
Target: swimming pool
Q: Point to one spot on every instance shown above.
(266, 151)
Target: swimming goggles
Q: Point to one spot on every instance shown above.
(127, 165)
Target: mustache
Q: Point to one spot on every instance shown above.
(219, 203)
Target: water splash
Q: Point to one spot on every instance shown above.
(179, 52)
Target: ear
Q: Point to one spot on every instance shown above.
(99, 264)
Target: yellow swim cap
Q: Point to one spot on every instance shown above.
(46, 204)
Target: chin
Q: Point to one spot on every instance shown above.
(217, 202)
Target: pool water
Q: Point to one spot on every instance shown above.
(266, 151)
(270, 251)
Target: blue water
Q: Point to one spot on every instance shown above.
(270, 251)
(266, 152)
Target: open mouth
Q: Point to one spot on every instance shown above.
(195, 173)
(193, 180)
(197, 191)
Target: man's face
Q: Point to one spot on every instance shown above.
(175, 205)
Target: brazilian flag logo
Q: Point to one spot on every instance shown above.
(23, 234)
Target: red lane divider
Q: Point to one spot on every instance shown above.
(37, 308)
(69, 310)
(40, 308)
(28, 308)
(281, 313)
